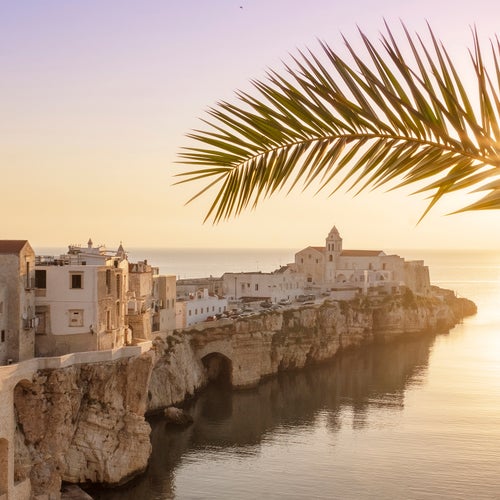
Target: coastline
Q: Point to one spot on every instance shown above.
(96, 410)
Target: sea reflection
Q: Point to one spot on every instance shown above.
(237, 423)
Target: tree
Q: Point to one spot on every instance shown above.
(381, 119)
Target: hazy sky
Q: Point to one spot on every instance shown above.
(97, 96)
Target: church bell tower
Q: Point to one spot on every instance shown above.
(333, 248)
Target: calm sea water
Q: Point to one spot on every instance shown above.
(414, 419)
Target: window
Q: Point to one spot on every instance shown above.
(28, 284)
(76, 280)
(256, 287)
(108, 281)
(1, 307)
(3, 336)
(330, 258)
(196, 311)
(40, 278)
(190, 312)
(108, 320)
(118, 285)
(75, 317)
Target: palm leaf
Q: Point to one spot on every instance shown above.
(377, 118)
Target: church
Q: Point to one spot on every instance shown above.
(331, 267)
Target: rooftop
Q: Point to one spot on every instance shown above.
(12, 246)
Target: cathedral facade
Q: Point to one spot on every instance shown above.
(331, 266)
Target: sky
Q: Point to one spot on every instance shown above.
(97, 97)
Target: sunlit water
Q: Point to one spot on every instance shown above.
(414, 419)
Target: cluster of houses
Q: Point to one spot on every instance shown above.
(85, 300)
(92, 298)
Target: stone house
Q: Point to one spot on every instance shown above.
(150, 301)
(17, 301)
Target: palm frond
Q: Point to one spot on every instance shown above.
(385, 117)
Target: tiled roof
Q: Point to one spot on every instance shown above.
(281, 270)
(361, 253)
(12, 246)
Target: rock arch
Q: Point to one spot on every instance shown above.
(219, 368)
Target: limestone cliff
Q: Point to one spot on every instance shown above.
(86, 423)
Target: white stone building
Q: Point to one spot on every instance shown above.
(283, 284)
(81, 300)
(17, 301)
(333, 268)
(197, 307)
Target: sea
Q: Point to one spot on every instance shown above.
(417, 418)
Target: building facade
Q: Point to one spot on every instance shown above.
(198, 307)
(81, 300)
(332, 268)
(283, 284)
(17, 301)
(151, 302)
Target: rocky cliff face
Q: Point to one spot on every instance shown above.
(83, 424)
(86, 423)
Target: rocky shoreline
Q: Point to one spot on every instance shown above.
(91, 426)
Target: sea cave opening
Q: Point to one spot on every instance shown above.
(219, 368)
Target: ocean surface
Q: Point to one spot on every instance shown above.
(415, 419)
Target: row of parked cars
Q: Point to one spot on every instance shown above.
(264, 306)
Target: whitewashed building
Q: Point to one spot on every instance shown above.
(81, 300)
(283, 284)
(197, 307)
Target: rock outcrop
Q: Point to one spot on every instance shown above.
(77, 424)
(86, 423)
